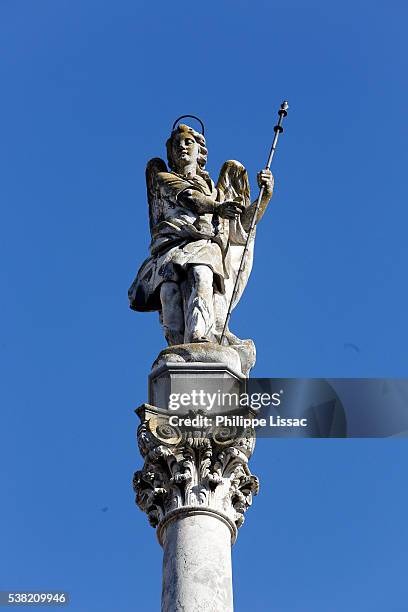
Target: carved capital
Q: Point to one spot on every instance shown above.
(204, 471)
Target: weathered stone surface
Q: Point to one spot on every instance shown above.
(200, 233)
(197, 574)
(176, 377)
(238, 358)
(196, 486)
(205, 469)
(201, 352)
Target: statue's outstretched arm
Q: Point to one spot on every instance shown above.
(196, 201)
(201, 204)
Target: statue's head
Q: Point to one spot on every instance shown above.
(184, 147)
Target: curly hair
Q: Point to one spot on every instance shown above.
(202, 153)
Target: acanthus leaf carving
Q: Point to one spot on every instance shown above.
(198, 471)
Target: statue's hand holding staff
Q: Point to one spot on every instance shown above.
(231, 209)
(265, 179)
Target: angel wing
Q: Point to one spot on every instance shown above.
(140, 293)
(154, 166)
(233, 184)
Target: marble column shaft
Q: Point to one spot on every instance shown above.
(195, 487)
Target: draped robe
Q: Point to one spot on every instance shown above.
(183, 237)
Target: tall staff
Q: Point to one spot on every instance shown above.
(278, 129)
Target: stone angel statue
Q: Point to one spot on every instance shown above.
(198, 232)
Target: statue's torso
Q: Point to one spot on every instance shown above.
(176, 221)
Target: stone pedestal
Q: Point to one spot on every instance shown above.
(177, 378)
(195, 487)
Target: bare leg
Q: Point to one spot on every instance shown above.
(199, 312)
(172, 318)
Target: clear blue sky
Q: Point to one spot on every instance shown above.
(89, 92)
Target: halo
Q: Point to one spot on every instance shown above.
(191, 117)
